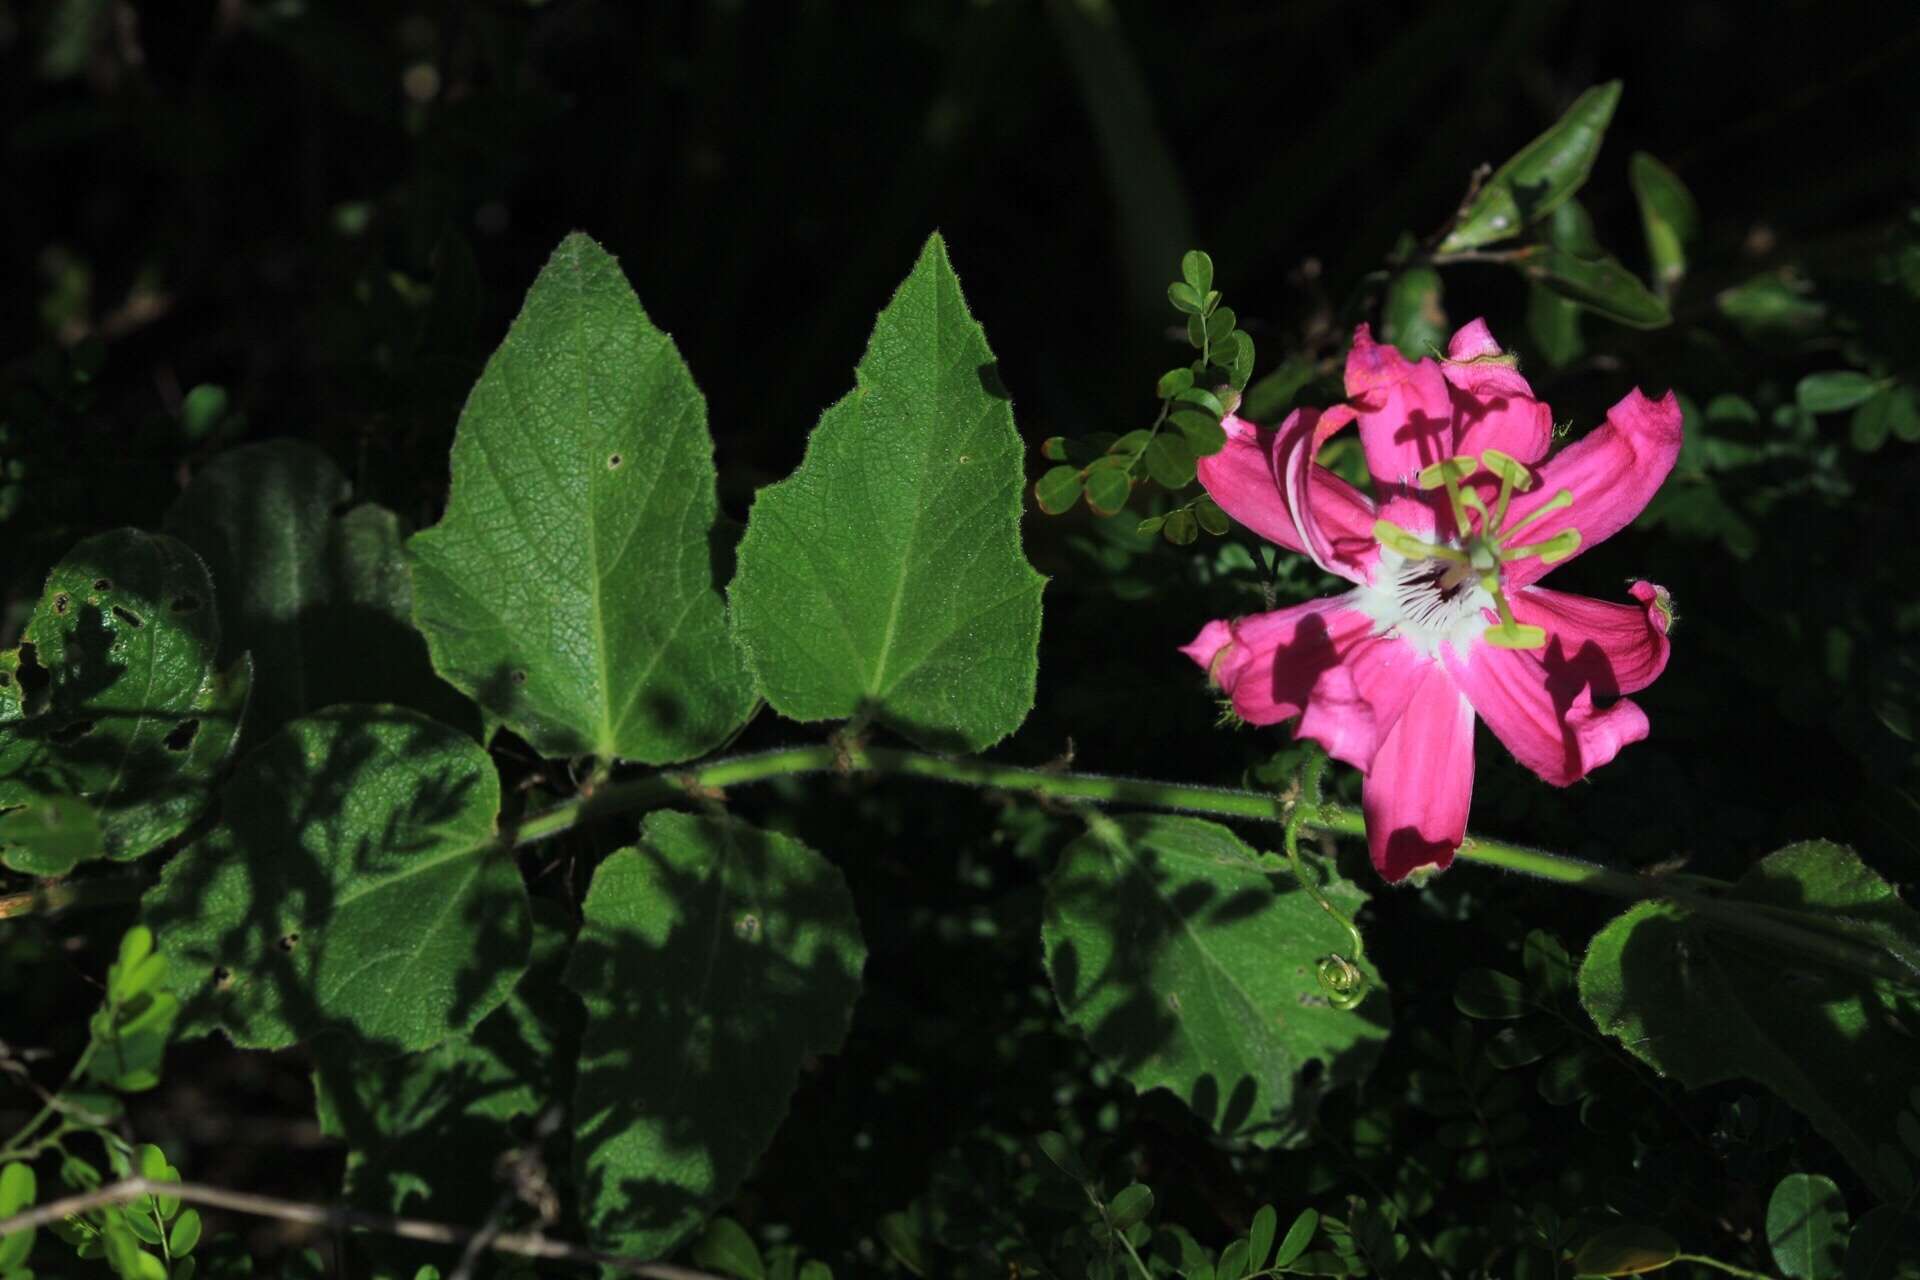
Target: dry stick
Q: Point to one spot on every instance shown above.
(520, 1244)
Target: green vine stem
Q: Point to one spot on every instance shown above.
(1814, 939)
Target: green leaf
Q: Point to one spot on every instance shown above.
(1413, 318)
(570, 589)
(1191, 967)
(1298, 1237)
(714, 959)
(137, 717)
(1271, 397)
(1203, 432)
(1626, 1250)
(1266, 1225)
(18, 1188)
(1058, 489)
(1668, 215)
(1196, 268)
(1490, 994)
(726, 1247)
(427, 1130)
(1184, 297)
(1885, 1245)
(1602, 286)
(1174, 381)
(1107, 491)
(1705, 1006)
(358, 882)
(1132, 1205)
(185, 1233)
(1170, 461)
(1835, 390)
(1807, 1227)
(1057, 1149)
(1181, 529)
(322, 601)
(1540, 175)
(1210, 516)
(1553, 322)
(1871, 422)
(202, 409)
(50, 831)
(884, 578)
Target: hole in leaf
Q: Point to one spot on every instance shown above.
(613, 461)
(222, 977)
(182, 736)
(289, 942)
(186, 604)
(129, 617)
(103, 584)
(33, 677)
(747, 927)
(5, 680)
(72, 731)
(519, 677)
(61, 602)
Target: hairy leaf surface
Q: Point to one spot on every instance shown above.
(136, 716)
(570, 589)
(884, 578)
(357, 882)
(714, 959)
(1190, 967)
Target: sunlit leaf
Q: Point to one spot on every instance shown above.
(1540, 175)
(1191, 967)
(884, 578)
(1807, 1227)
(571, 588)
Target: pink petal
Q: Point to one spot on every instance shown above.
(1334, 520)
(1614, 648)
(1320, 661)
(1540, 704)
(1245, 479)
(1268, 663)
(1611, 472)
(1417, 794)
(1493, 406)
(1353, 707)
(1405, 413)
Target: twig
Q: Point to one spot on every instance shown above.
(520, 1244)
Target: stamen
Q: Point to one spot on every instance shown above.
(1552, 551)
(1558, 502)
(1511, 634)
(1513, 474)
(1450, 472)
(1391, 535)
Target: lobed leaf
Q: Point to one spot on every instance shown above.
(884, 579)
(570, 588)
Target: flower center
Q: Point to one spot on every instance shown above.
(1426, 602)
(1477, 558)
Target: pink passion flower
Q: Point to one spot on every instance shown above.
(1444, 621)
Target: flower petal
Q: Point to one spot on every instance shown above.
(1245, 480)
(1405, 413)
(1268, 663)
(1611, 472)
(1540, 704)
(1334, 520)
(1494, 407)
(1417, 793)
(1614, 648)
(1353, 707)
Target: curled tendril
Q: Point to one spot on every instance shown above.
(1341, 978)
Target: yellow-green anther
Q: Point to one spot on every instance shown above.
(1511, 470)
(1558, 502)
(1448, 471)
(1394, 538)
(1552, 551)
(1513, 634)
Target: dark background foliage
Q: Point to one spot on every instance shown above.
(330, 212)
